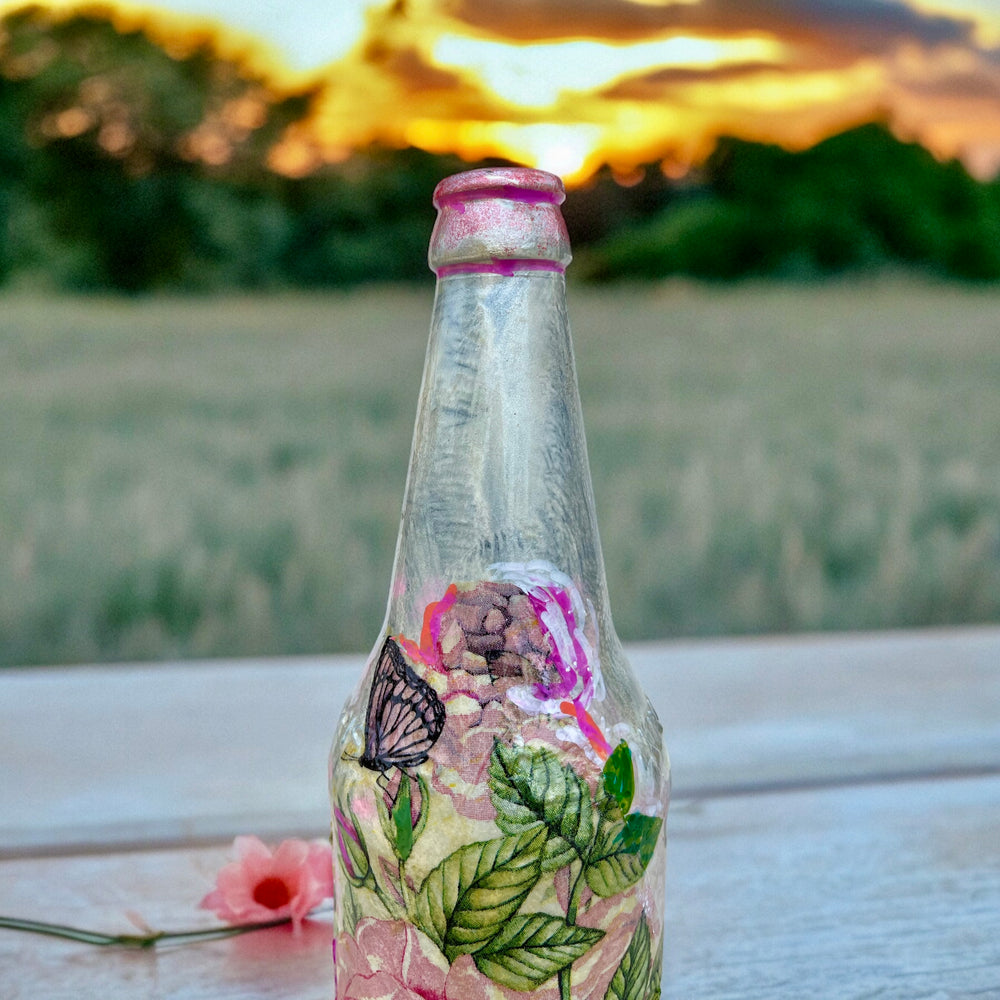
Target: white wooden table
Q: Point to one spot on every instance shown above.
(835, 831)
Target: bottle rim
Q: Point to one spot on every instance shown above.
(511, 183)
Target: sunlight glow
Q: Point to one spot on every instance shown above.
(536, 76)
(560, 149)
(567, 150)
(442, 76)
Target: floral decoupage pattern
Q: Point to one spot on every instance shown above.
(491, 839)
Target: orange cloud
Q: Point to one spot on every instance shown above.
(573, 84)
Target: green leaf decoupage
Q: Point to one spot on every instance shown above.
(633, 979)
(532, 948)
(465, 901)
(522, 906)
(529, 785)
(402, 821)
(622, 854)
(612, 867)
(403, 811)
(625, 844)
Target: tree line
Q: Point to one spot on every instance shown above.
(128, 167)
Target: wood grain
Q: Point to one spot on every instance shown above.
(158, 754)
(875, 891)
(889, 891)
(164, 887)
(835, 831)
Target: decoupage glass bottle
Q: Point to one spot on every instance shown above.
(498, 780)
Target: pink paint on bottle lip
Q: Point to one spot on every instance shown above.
(507, 192)
(532, 187)
(502, 266)
(499, 221)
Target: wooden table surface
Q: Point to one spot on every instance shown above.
(834, 833)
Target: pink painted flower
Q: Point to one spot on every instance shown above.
(572, 678)
(260, 885)
(573, 673)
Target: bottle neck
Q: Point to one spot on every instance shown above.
(498, 470)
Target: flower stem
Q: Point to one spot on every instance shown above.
(565, 992)
(564, 987)
(140, 941)
(574, 898)
(404, 891)
(392, 908)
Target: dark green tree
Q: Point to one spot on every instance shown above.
(859, 199)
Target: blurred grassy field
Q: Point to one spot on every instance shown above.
(221, 477)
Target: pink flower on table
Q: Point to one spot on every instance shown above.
(392, 960)
(263, 885)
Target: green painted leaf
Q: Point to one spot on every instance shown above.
(424, 802)
(616, 863)
(529, 785)
(640, 835)
(632, 978)
(465, 901)
(402, 820)
(619, 776)
(532, 948)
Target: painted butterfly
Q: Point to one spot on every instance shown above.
(405, 715)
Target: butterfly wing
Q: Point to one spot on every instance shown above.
(405, 715)
(377, 697)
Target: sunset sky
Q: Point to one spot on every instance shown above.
(569, 84)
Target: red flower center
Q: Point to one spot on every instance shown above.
(271, 892)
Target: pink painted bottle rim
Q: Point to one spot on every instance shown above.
(511, 183)
(499, 221)
(506, 266)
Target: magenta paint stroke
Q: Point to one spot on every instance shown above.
(511, 183)
(499, 221)
(505, 192)
(562, 612)
(502, 266)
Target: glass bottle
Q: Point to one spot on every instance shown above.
(498, 780)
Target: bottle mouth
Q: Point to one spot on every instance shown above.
(499, 220)
(508, 183)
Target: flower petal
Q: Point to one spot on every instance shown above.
(304, 871)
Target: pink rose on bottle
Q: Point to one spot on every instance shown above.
(392, 960)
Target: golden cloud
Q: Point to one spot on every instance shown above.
(574, 84)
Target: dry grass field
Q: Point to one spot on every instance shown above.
(223, 477)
